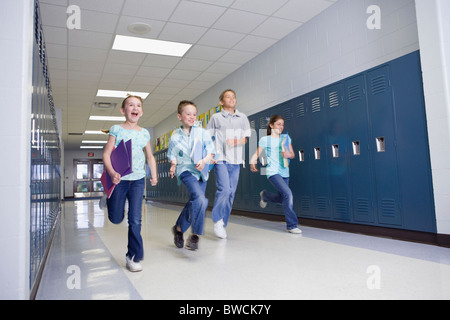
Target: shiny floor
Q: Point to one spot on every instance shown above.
(258, 261)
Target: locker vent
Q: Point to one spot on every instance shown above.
(263, 121)
(286, 114)
(253, 125)
(378, 84)
(316, 104)
(333, 99)
(354, 93)
(322, 204)
(306, 203)
(362, 206)
(388, 208)
(341, 207)
(300, 110)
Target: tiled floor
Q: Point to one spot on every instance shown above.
(259, 260)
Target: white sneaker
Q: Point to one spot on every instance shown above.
(295, 231)
(102, 203)
(262, 203)
(219, 229)
(133, 266)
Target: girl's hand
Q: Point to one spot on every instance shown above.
(287, 154)
(154, 181)
(253, 168)
(115, 177)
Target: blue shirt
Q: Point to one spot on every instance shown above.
(180, 149)
(272, 147)
(139, 141)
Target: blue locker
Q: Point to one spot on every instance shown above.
(320, 153)
(416, 187)
(300, 168)
(338, 148)
(361, 172)
(384, 146)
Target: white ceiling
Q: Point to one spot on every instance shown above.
(225, 35)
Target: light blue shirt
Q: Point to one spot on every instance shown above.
(139, 141)
(180, 149)
(272, 148)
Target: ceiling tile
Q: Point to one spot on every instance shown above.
(276, 28)
(239, 21)
(205, 53)
(198, 14)
(266, 7)
(221, 38)
(302, 10)
(182, 33)
(254, 44)
(150, 9)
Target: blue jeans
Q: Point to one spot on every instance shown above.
(285, 197)
(134, 192)
(227, 178)
(193, 213)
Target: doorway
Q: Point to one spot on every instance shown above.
(86, 178)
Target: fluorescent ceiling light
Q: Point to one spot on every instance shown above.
(94, 132)
(103, 118)
(121, 94)
(91, 147)
(94, 141)
(166, 48)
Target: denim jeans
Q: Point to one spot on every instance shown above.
(134, 192)
(227, 178)
(285, 197)
(193, 213)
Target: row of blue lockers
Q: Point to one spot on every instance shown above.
(362, 153)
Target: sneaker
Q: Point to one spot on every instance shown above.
(133, 266)
(192, 243)
(102, 203)
(262, 203)
(295, 231)
(219, 229)
(177, 237)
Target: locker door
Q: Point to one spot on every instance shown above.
(361, 173)
(383, 138)
(320, 154)
(338, 149)
(300, 167)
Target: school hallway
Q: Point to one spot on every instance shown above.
(258, 261)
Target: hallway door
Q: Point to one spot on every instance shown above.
(86, 180)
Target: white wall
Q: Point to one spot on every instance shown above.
(433, 18)
(16, 36)
(333, 46)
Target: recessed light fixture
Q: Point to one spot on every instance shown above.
(91, 147)
(139, 28)
(106, 118)
(94, 132)
(166, 48)
(121, 94)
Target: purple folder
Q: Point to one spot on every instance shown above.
(121, 160)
